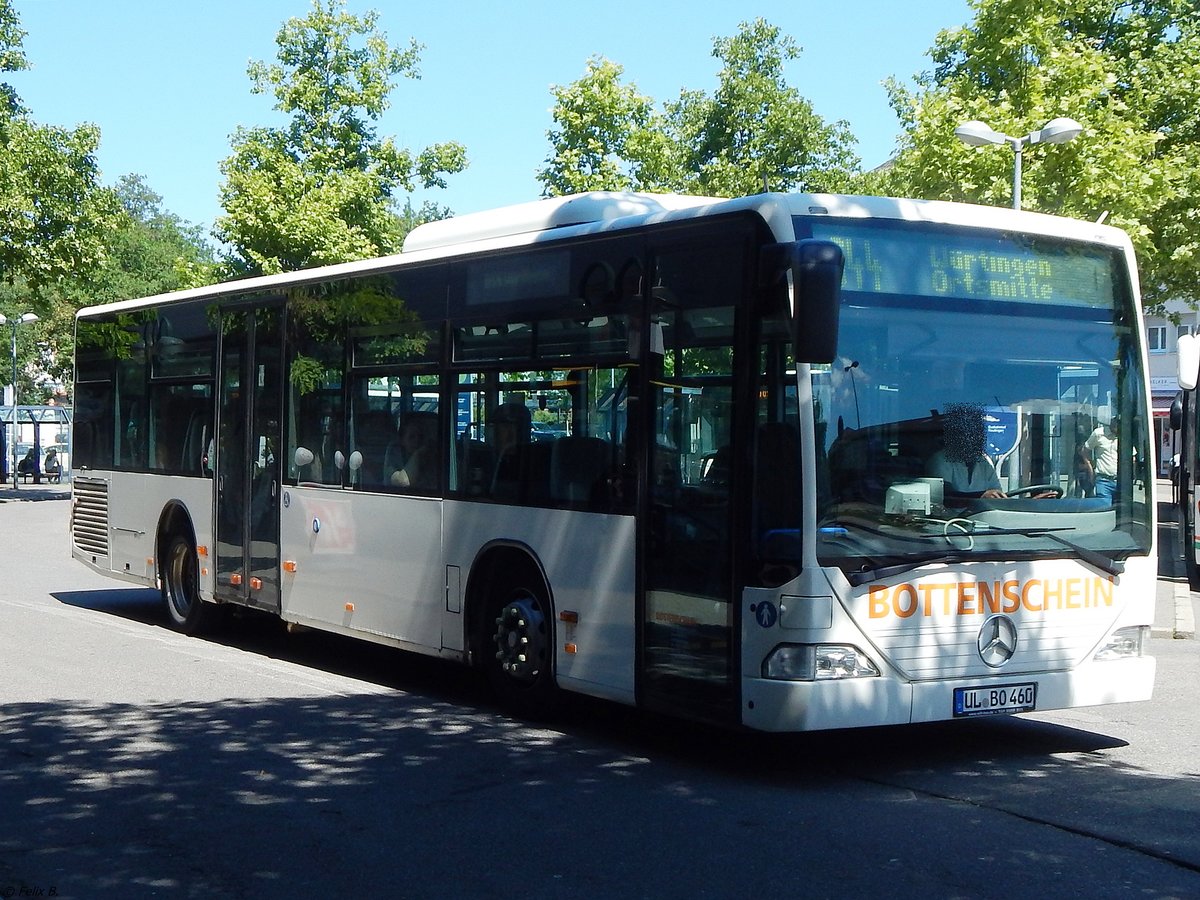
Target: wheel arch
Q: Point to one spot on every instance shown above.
(174, 519)
(512, 557)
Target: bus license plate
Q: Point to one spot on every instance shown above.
(991, 701)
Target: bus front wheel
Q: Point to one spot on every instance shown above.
(518, 649)
(181, 588)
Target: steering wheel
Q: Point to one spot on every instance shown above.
(1037, 489)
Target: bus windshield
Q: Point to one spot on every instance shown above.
(986, 401)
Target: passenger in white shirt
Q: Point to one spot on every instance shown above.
(1102, 447)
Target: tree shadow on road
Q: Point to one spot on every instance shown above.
(431, 784)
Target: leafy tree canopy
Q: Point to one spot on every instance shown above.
(54, 214)
(321, 190)
(55, 219)
(607, 136)
(755, 130)
(1128, 70)
(147, 251)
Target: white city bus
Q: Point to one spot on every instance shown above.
(642, 448)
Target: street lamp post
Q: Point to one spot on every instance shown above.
(1056, 131)
(24, 319)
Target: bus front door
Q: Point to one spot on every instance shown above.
(247, 458)
(689, 638)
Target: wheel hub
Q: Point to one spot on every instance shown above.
(521, 639)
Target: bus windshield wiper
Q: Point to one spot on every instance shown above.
(1091, 557)
(1099, 560)
(865, 575)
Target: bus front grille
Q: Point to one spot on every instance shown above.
(89, 516)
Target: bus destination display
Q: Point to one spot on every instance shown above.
(989, 266)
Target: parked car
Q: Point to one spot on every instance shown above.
(544, 431)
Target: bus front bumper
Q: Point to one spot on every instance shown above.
(771, 705)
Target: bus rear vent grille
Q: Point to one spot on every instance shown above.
(89, 516)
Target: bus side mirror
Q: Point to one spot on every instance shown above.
(816, 270)
(1177, 412)
(1188, 360)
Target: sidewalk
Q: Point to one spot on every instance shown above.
(1175, 604)
(31, 491)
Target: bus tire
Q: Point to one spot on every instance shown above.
(181, 587)
(518, 644)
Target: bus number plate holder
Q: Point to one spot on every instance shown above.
(995, 700)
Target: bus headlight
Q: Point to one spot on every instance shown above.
(1125, 643)
(817, 662)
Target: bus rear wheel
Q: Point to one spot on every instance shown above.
(181, 588)
(518, 650)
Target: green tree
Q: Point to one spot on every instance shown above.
(1128, 70)
(55, 220)
(321, 190)
(409, 217)
(54, 214)
(12, 56)
(755, 130)
(152, 251)
(148, 251)
(607, 136)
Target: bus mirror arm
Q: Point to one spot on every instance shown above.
(816, 269)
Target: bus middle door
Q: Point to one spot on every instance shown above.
(248, 458)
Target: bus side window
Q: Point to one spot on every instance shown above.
(374, 432)
(578, 465)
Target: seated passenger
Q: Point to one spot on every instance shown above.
(961, 463)
(509, 432)
(418, 452)
(373, 430)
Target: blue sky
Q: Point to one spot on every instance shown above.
(166, 81)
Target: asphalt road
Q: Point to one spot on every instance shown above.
(135, 762)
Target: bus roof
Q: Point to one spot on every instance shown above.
(543, 215)
(576, 214)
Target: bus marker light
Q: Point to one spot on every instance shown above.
(202, 550)
(204, 571)
(289, 565)
(349, 607)
(256, 584)
(568, 615)
(150, 561)
(235, 579)
(571, 648)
